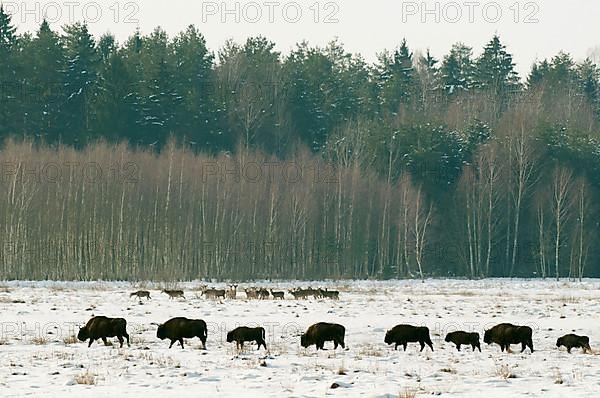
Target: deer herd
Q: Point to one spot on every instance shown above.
(252, 293)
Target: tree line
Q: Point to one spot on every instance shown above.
(249, 163)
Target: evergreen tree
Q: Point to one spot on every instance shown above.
(81, 84)
(197, 119)
(495, 70)
(116, 110)
(537, 74)
(160, 98)
(588, 76)
(44, 84)
(397, 78)
(457, 70)
(9, 87)
(428, 79)
(251, 88)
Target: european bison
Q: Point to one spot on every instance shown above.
(321, 332)
(251, 293)
(277, 295)
(404, 334)
(505, 334)
(101, 327)
(176, 329)
(140, 294)
(464, 338)
(173, 294)
(574, 341)
(244, 333)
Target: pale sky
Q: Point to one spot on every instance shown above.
(531, 29)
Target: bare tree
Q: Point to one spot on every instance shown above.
(561, 204)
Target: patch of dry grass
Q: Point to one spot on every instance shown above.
(162, 361)
(408, 393)
(87, 378)
(371, 350)
(39, 340)
(505, 372)
(72, 339)
(558, 379)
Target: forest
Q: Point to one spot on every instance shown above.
(160, 159)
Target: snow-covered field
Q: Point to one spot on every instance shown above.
(40, 358)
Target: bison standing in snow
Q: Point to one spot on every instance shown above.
(404, 334)
(574, 341)
(244, 333)
(321, 332)
(176, 329)
(464, 338)
(101, 327)
(505, 334)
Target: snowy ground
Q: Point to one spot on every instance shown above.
(39, 357)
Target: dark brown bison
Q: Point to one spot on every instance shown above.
(244, 333)
(101, 327)
(321, 332)
(176, 329)
(464, 338)
(574, 341)
(277, 295)
(404, 334)
(505, 334)
(140, 294)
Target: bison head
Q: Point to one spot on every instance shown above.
(487, 337)
(83, 334)
(388, 337)
(559, 342)
(304, 341)
(161, 332)
(447, 339)
(229, 337)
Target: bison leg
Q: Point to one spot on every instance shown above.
(172, 342)
(422, 345)
(396, 347)
(127, 337)
(120, 341)
(335, 344)
(342, 344)
(569, 349)
(90, 343)
(502, 347)
(104, 341)
(203, 340)
(404, 345)
(181, 342)
(458, 347)
(530, 344)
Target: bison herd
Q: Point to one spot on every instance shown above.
(178, 329)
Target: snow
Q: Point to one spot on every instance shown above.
(38, 359)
